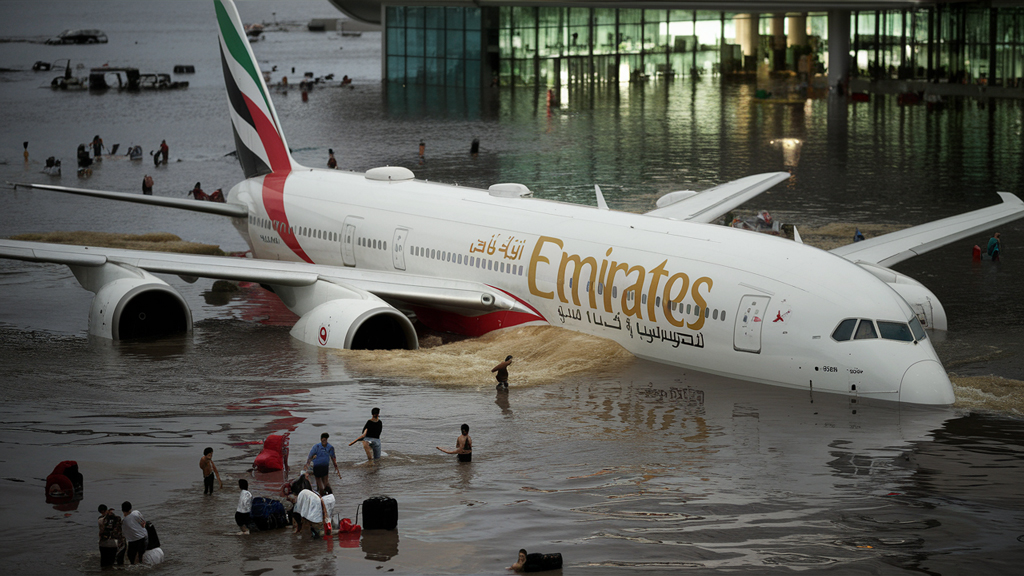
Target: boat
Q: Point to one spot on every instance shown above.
(253, 31)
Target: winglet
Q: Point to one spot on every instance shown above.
(601, 204)
(259, 139)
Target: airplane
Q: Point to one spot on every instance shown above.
(358, 256)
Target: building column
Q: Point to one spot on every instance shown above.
(778, 27)
(797, 30)
(748, 38)
(838, 49)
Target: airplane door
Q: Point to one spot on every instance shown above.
(348, 239)
(749, 319)
(398, 248)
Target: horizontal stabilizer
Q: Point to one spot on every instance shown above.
(898, 246)
(712, 203)
(219, 208)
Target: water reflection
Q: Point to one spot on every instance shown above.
(501, 399)
(380, 545)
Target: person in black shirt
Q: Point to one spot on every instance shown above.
(463, 446)
(371, 435)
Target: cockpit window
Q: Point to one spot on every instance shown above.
(844, 331)
(865, 330)
(917, 329)
(895, 331)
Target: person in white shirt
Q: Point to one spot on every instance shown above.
(310, 507)
(134, 529)
(242, 513)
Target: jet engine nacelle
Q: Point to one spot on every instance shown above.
(356, 325)
(925, 304)
(132, 303)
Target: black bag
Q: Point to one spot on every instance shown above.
(154, 540)
(542, 562)
(268, 514)
(380, 513)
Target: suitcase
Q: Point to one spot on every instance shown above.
(542, 562)
(380, 513)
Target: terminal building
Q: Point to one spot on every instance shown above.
(569, 42)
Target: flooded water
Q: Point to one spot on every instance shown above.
(620, 465)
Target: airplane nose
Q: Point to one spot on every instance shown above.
(926, 382)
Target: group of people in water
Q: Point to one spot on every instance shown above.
(315, 506)
(92, 152)
(127, 536)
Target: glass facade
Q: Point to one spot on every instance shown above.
(960, 43)
(565, 45)
(433, 45)
(555, 45)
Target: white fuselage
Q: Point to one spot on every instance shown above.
(700, 296)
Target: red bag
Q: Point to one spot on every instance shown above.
(349, 533)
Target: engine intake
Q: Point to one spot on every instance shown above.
(131, 303)
(356, 325)
(128, 309)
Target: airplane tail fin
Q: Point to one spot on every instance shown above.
(259, 140)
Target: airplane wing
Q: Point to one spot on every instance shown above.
(221, 209)
(708, 205)
(468, 297)
(898, 246)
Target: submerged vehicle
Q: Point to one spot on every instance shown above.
(81, 36)
(105, 77)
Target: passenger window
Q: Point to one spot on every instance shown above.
(917, 329)
(844, 331)
(865, 330)
(895, 331)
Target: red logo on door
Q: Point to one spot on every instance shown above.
(322, 336)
